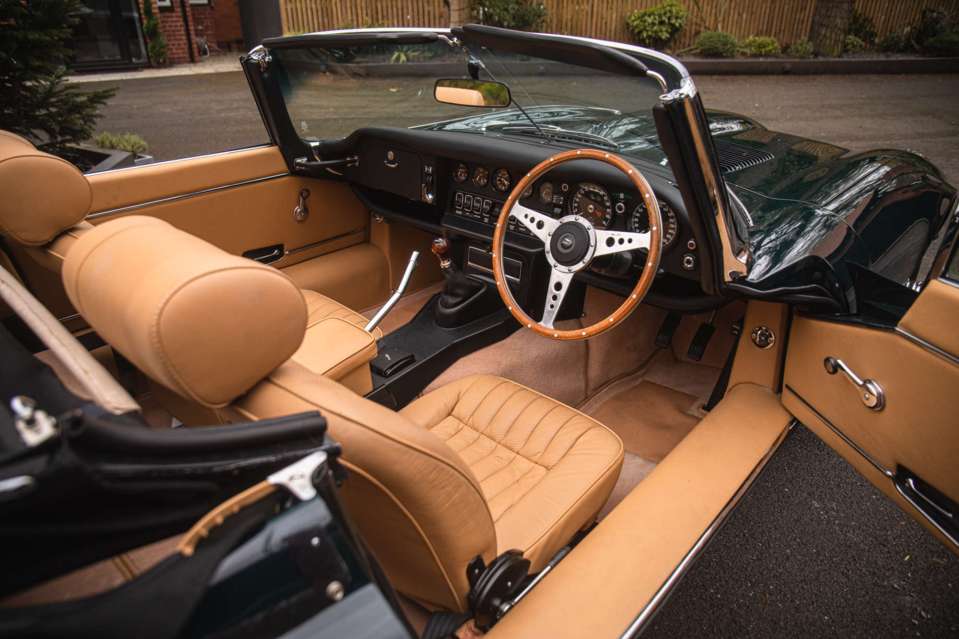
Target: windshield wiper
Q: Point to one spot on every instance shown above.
(557, 133)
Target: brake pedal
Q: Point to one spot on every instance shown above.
(665, 335)
(697, 347)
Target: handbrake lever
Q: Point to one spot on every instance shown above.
(397, 294)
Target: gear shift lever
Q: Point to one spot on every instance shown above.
(453, 306)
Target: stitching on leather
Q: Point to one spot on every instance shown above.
(480, 403)
(553, 438)
(499, 444)
(470, 480)
(516, 452)
(513, 484)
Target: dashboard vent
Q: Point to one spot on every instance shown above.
(736, 157)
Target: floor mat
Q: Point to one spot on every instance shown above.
(650, 419)
(635, 469)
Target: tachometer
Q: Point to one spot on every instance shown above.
(481, 176)
(502, 180)
(592, 202)
(639, 222)
(461, 173)
(546, 192)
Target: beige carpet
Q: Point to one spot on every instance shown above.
(635, 469)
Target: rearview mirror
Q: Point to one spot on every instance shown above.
(477, 93)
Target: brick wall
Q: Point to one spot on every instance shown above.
(229, 33)
(218, 22)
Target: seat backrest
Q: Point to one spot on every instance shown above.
(219, 330)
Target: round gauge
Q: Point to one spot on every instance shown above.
(481, 176)
(546, 192)
(528, 191)
(461, 173)
(639, 222)
(502, 180)
(592, 202)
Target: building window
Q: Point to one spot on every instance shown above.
(164, 4)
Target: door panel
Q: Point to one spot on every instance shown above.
(917, 427)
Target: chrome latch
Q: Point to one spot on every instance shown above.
(298, 477)
(870, 392)
(34, 424)
(301, 211)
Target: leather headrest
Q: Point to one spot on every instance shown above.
(206, 324)
(42, 195)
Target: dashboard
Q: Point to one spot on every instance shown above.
(455, 184)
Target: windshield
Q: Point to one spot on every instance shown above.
(332, 91)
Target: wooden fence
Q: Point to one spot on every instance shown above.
(786, 20)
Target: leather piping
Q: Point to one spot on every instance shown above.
(928, 346)
(182, 196)
(666, 589)
(412, 520)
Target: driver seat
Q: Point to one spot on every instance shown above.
(478, 467)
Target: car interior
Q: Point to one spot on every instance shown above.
(497, 383)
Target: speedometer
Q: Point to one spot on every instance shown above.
(592, 202)
(639, 222)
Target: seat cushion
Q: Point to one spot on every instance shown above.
(545, 468)
(320, 307)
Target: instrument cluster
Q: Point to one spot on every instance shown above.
(604, 209)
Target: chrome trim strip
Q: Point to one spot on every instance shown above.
(835, 429)
(313, 245)
(666, 589)
(182, 196)
(932, 348)
(922, 511)
(186, 159)
(68, 318)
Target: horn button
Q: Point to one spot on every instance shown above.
(570, 244)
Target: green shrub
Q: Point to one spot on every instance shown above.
(761, 46)
(130, 142)
(897, 42)
(853, 44)
(944, 44)
(526, 15)
(716, 44)
(862, 27)
(156, 43)
(657, 26)
(932, 23)
(800, 49)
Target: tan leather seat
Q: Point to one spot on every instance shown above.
(477, 467)
(320, 307)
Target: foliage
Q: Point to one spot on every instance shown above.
(526, 15)
(896, 42)
(761, 46)
(944, 44)
(716, 44)
(853, 44)
(932, 23)
(800, 49)
(35, 101)
(129, 142)
(861, 26)
(657, 26)
(156, 43)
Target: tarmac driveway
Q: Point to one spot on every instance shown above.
(180, 116)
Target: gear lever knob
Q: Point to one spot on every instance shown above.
(440, 248)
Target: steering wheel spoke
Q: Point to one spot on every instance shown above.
(559, 282)
(539, 224)
(608, 242)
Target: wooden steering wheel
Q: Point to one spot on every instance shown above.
(572, 242)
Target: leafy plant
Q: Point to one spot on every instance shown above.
(800, 49)
(716, 44)
(944, 44)
(35, 100)
(862, 27)
(932, 23)
(156, 43)
(897, 42)
(129, 142)
(853, 44)
(526, 15)
(761, 46)
(657, 26)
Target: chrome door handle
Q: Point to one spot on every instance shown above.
(870, 392)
